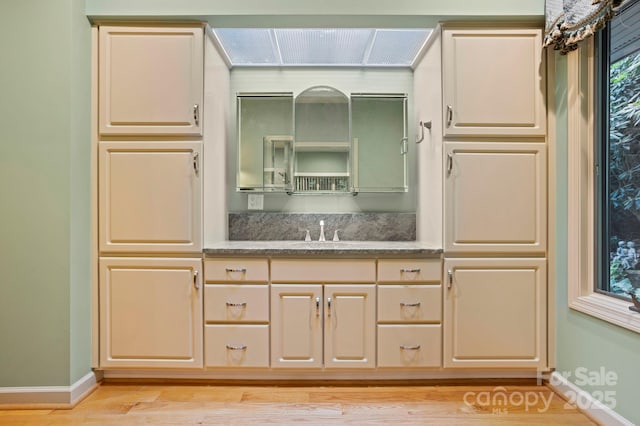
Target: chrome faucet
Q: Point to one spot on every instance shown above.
(321, 231)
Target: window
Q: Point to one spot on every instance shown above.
(617, 74)
(590, 261)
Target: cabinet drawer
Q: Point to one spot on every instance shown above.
(236, 345)
(409, 346)
(323, 271)
(409, 303)
(236, 270)
(409, 270)
(236, 303)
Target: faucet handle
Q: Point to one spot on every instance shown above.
(335, 235)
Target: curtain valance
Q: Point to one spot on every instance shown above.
(570, 21)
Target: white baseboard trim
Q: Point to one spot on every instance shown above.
(48, 396)
(585, 402)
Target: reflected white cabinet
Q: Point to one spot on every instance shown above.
(150, 197)
(150, 312)
(496, 197)
(495, 313)
(150, 80)
(493, 81)
(305, 316)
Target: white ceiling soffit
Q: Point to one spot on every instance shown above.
(347, 47)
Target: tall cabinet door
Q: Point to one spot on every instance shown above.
(150, 312)
(350, 326)
(495, 313)
(296, 326)
(495, 197)
(150, 80)
(150, 197)
(493, 82)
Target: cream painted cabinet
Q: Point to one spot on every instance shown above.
(493, 81)
(150, 197)
(150, 80)
(495, 197)
(409, 313)
(150, 312)
(317, 319)
(236, 313)
(297, 313)
(495, 313)
(338, 315)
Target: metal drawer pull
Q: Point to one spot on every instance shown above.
(409, 305)
(409, 348)
(317, 306)
(416, 270)
(237, 305)
(237, 348)
(242, 270)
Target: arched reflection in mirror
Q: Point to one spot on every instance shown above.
(322, 141)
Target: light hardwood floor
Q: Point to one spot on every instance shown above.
(201, 404)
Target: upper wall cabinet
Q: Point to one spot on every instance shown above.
(493, 82)
(150, 80)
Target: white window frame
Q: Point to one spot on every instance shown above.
(582, 195)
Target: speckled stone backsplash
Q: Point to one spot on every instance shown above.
(351, 226)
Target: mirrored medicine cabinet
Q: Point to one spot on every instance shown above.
(322, 142)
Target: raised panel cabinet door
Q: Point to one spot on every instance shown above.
(150, 80)
(150, 312)
(495, 197)
(493, 82)
(350, 326)
(296, 326)
(150, 197)
(495, 313)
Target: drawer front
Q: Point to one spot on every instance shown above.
(409, 303)
(409, 270)
(236, 270)
(323, 271)
(236, 303)
(236, 345)
(409, 345)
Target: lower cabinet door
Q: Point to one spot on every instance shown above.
(415, 345)
(235, 345)
(495, 313)
(350, 326)
(296, 326)
(150, 312)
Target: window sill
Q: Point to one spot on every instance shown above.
(612, 310)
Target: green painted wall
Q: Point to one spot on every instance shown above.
(42, 122)
(581, 340)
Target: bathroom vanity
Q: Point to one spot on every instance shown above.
(467, 298)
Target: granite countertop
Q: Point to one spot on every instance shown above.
(294, 248)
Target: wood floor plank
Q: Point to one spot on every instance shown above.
(169, 404)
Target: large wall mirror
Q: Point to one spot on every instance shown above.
(322, 142)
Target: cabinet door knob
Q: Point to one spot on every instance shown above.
(328, 306)
(317, 306)
(450, 281)
(449, 164)
(196, 284)
(449, 115)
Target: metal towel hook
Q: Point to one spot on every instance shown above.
(423, 125)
